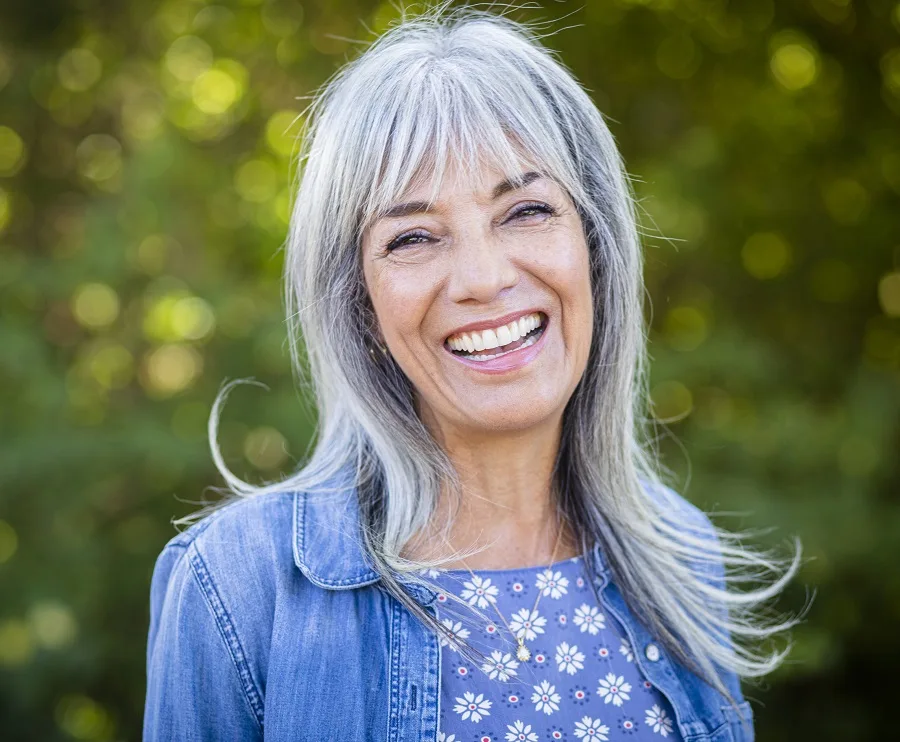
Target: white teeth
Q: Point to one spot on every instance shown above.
(531, 340)
(496, 337)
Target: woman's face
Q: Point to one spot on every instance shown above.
(484, 300)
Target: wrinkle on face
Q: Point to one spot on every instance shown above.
(467, 261)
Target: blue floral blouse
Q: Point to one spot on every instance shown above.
(580, 683)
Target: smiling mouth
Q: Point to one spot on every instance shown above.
(489, 344)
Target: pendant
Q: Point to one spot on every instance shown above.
(523, 653)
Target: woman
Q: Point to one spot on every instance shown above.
(480, 546)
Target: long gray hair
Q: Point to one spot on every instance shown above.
(450, 87)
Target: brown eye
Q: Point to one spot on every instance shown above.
(533, 208)
(409, 238)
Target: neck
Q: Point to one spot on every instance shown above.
(506, 507)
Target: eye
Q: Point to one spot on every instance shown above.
(407, 238)
(530, 209)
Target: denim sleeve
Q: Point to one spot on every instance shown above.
(196, 684)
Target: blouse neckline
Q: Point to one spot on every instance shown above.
(508, 570)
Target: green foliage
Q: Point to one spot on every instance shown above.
(145, 161)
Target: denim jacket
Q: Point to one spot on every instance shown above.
(267, 622)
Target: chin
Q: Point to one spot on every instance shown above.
(523, 415)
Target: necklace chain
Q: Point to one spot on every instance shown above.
(523, 652)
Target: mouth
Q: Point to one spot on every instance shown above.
(486, 345)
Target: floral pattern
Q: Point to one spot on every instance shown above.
(527, 624)
(552, 583)
(614, 689)
(520, 732)
(479, 592)
(658, 721)
(588, 618)
(569, 659)
(571, 688)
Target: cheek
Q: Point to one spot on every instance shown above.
(401, 299)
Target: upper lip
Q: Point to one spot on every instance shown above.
(491, 324)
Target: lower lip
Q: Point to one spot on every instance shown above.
(511, 361)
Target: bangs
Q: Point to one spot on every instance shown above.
(446, 119)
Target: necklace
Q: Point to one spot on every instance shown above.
(523, 652)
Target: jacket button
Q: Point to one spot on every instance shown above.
(652, 652)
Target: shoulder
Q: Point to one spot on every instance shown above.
(692, 528)
(247, 523)
(673, 506)
(236, 558)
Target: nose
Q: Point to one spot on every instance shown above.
(481, 269)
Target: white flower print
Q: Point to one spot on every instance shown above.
(526, 624)
(445, 738)
(625, 649)
(520, 732)
(569, 659)
(500, 666)
(614, 689)
(432, 573)
(479, 591)
(473, 707)
(552, 583)
(545, 698)
(659, 721)
(589, 619)
(591, 729)
(458, 631)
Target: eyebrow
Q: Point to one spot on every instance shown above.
(420, 207)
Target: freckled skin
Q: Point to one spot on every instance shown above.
(474, 258)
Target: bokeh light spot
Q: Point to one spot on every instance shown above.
(766, 255)
(685, 328)
(794, 62)
(171, 368)
(678, 56)
(889, 294)
(95, 305)
(154, 252)
(192, 318)
(265, 448)
(281, 132)
(5, 210)
(9, 541)
(217, 89)
(256, 181)
(671, 401)
(52, 623)
(111, 366)
(846, 200)
(83, 718)
(188, 57)
(12, 152)
(99, 157)
(79, 70)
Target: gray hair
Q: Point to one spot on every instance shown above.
(451, 87)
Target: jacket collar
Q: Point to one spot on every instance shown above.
(328, 546)
(327, 538)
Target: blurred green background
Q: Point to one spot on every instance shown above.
(145, 157)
